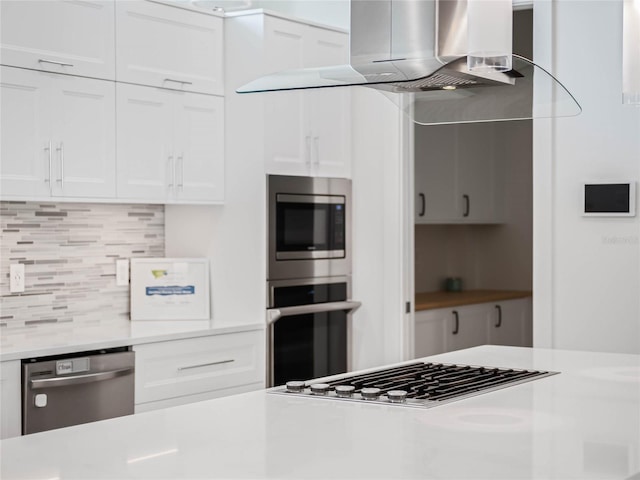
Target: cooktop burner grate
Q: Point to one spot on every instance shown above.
(416, 384)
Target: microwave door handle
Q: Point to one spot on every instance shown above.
(274, 314)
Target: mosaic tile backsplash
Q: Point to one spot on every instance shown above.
(69, 251)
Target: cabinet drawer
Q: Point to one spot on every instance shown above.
(186, 367)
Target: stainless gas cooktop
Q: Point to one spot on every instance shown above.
(419, 384)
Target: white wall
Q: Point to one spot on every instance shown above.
(586, 270)
(382, 232)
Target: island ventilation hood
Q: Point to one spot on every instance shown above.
(415, 50)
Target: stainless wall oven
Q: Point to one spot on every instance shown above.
(309, 227)
(309, 328)
(308, 278)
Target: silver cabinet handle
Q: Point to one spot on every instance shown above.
(316, 143)
(273, 314)
(49, 179)
(307, 141)
(181, 160)
(456, 324)
(62, 64)
(205, 365)
(182, 82)
(171, 171)
(60, 151)
(78, 379)
(499, 323)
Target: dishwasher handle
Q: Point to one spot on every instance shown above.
(274, 314)
(79, 379)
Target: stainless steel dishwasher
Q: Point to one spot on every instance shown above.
(76, 388)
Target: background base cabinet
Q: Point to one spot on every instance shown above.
(10, 396)
(498, 323)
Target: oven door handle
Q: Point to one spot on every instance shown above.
(274, 314)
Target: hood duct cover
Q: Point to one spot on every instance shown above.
(416, 50)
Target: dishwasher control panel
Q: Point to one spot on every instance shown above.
(75, 365)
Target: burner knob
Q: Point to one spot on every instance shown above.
(295, 387)
(397, 396)
(345, 391)
(370, 393)
(320, 388)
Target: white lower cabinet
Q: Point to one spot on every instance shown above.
(510, 323)
(10, 395)
(170, 145)
(446, 329)
(182, 371)
(466, 327)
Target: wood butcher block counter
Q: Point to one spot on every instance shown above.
(432, 300)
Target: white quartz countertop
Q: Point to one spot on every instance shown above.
(56, 339)
(581, 424)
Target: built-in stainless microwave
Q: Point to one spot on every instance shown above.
(309, 227)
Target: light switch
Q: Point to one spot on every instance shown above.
(41, 400)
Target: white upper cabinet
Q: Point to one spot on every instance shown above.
(72, 37)
(329, 108)
(25, 133)
(145, 142)
(165, 46)
(306, 132)
(457, 174)
(287, 129)
(199, 144)
(477, 172)
(435, 175)
(170, 145)
(58, 135)
(85, 138)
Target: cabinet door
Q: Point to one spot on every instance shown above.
(508, 323)
(435, 174)
(193, 366)
(59, 36)
(288, 138)
(10, 396)
(84, 137)
(329, 108)
(25, 143)
(199, 148)
(430, 334)
(466, 327)
(476, 172)
(145, 156)
(165, 46)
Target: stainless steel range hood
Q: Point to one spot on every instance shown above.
(416, 50)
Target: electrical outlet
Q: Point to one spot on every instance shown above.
(122, 272)
(16, 278)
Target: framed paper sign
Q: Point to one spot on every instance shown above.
(169, 289)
